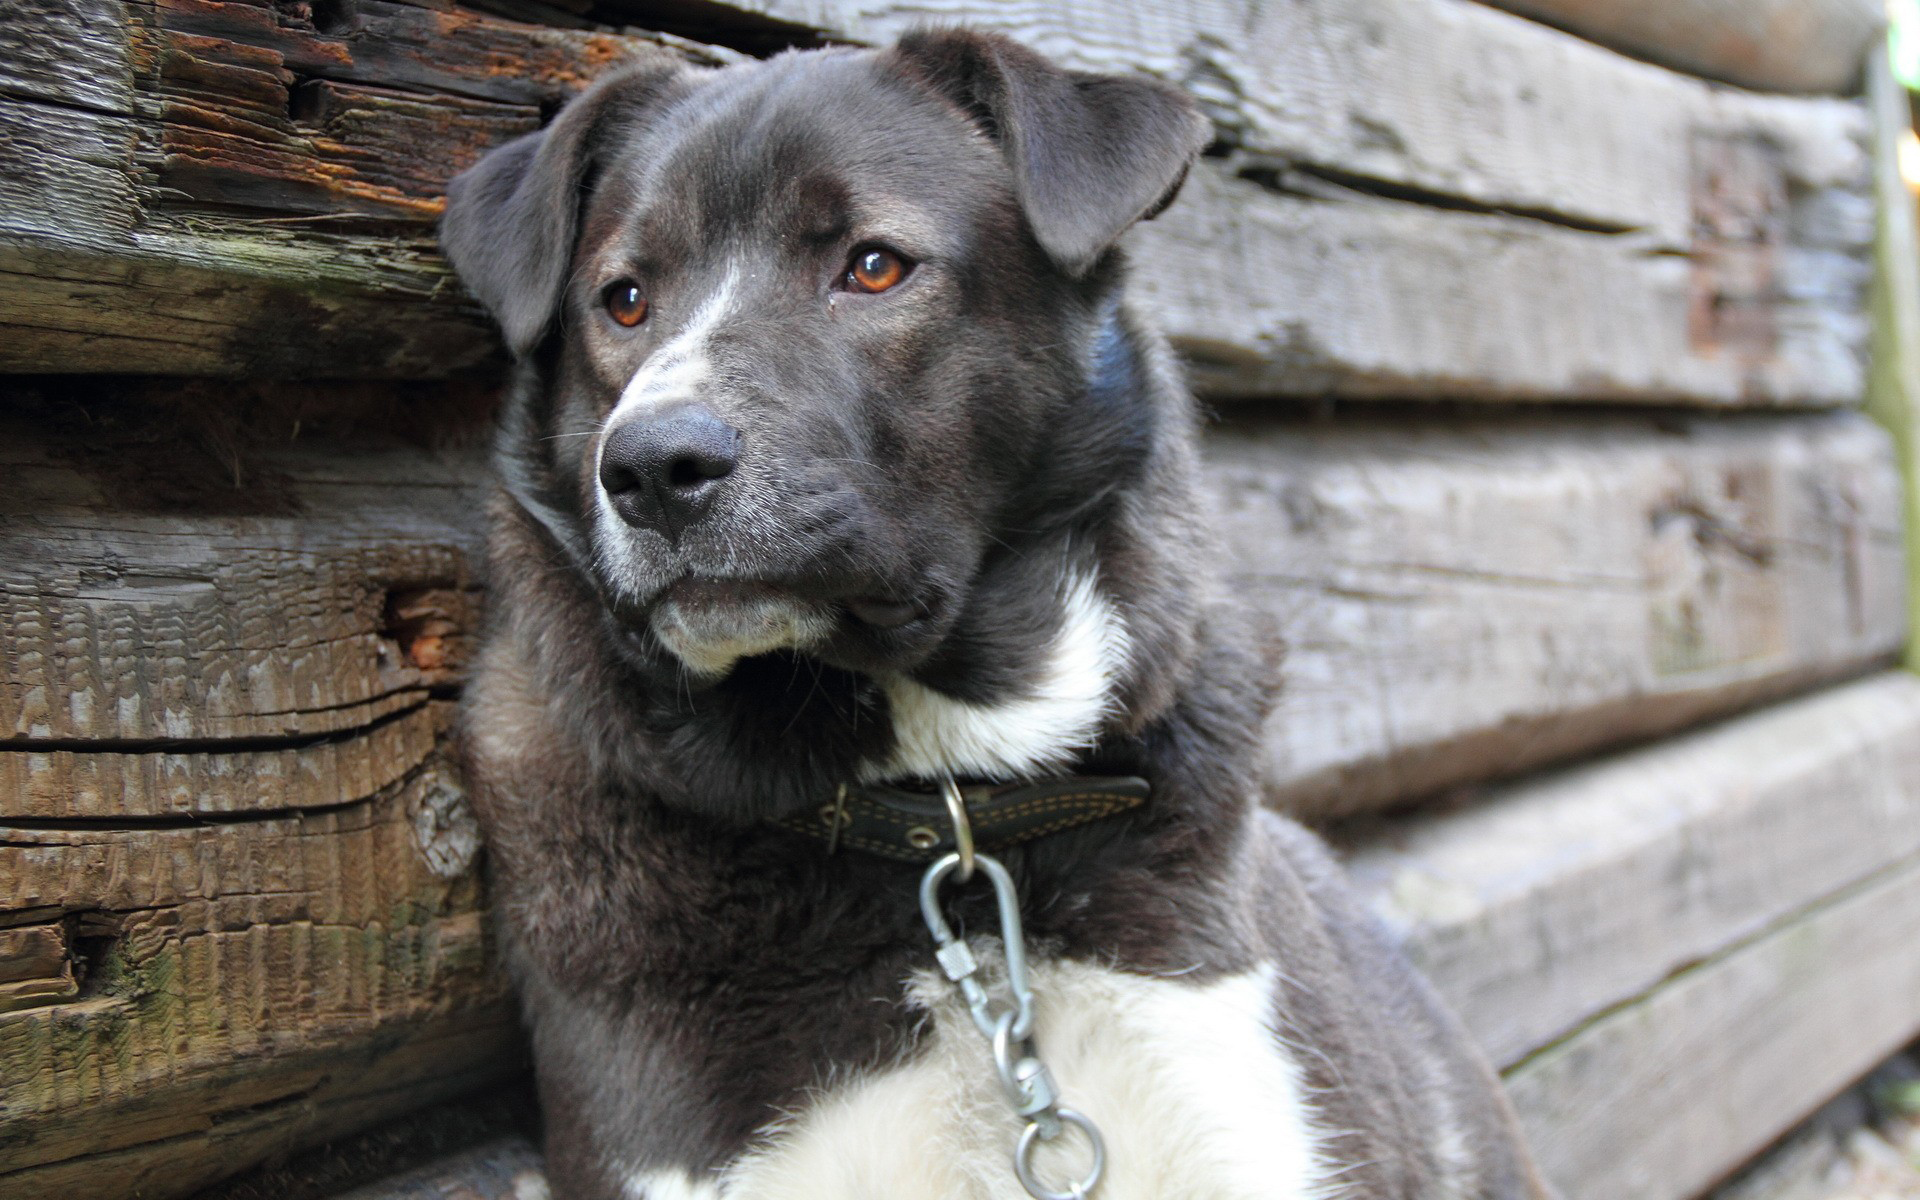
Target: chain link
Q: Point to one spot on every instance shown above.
(1028, 1085)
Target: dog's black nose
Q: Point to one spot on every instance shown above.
(662, 472)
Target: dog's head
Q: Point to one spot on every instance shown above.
(820, 335)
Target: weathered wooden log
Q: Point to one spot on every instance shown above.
(1553, 901)
(239, 906)
(242, 985)
(225, 187)
(202, 663)
(1443, 102)
(1776, 45)
(148, 609)
(1268, 293)
(1674, 1091)
(1617, 231)
(1479, 598)
(1683, 951)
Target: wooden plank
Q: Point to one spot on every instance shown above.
(1446, 101)
(1717, 564)
(150, 608)
(1777, 45)
(1893, 388)
(1662, 240)
(1671, 1093)
(279, 175)
(244, 987)
(1266, 293)
(1550, 902)
(1627, 234)
(1473, 599)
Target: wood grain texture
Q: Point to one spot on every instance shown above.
(1552, 901)
(317, 772)
(1407, 563)
(1451, 102)
(1671, 1093)
(1595, 228)
(1473, 599)
(1268, 293)
(148, 610)
(1778, 45)
(280, 176)
(1652, 237)
(245, 986)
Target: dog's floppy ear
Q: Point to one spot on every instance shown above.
(512, 217)
(1091, 154)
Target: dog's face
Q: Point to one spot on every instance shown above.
(820, 332)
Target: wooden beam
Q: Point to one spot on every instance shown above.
(314, 772)
(239, 905)
(1478, 598)
(1670, 1094)
(151, 606)
(244, 986)
(217, 187)
(1775, 45)
(1550, 902)
(1682, 951)
(205, 656)
(1442, 102)
(1267, 293)
(250, 193)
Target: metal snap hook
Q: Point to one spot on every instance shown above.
(1012, 941)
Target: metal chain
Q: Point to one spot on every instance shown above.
(1028, 1085)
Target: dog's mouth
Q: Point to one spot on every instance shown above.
(710, 624)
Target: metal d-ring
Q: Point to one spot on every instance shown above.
(962, 826)
(1076, 1189)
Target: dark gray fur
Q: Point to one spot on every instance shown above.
(689, 970)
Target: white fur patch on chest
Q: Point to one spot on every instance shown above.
(1197, 1098)
(1059, 716)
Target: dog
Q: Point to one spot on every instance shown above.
(848, 512)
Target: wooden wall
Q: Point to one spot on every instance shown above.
(1538, 369)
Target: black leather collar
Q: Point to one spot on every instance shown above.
(912, 826)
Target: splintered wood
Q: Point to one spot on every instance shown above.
(236, 187)
(239, 901)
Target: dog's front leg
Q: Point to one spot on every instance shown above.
(625, 1112)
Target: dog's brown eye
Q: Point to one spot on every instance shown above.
(875, 270)
(624, 303)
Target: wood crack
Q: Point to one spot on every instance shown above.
(205, 745)
(1313, 181)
